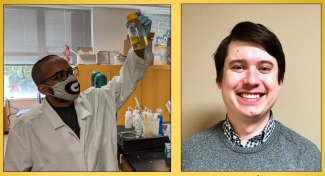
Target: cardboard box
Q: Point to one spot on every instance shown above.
(126, 46)
(86, 58)
(103, 57)
(85, 49)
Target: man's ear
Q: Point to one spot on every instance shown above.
(44, 90)
(280, 86)
(219, 85)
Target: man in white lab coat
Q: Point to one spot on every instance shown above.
(73, 131)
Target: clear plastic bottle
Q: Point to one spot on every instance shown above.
(136, 32)
(128, 119)
(138, 123)
(160, 54)
(135, 112)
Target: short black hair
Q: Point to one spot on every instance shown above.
(37, 74)
(255, 33)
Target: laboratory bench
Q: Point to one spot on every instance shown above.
(143, 154)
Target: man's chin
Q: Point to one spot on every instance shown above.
(251, 113)
(60, 100)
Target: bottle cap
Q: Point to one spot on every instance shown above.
(158, 110)
(128, 113)
(132, 16)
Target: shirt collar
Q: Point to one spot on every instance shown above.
(234, 138)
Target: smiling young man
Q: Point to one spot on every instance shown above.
(250, 68)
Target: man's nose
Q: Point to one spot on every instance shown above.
(252, 77)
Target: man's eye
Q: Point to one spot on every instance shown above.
(60, 75)
(265, 69)
(237, 67)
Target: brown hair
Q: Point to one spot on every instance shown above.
(255, 33)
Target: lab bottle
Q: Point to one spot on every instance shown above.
(160, 54)
(145, 117)
(135, 112)
(137, 32)
(128, 119)
(155, 117)
(138, 123)
(149, 115)
(161, 131)
(160, 118)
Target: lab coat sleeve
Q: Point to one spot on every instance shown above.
(17, 156)
(132, 71)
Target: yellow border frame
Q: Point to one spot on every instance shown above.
(175, 85)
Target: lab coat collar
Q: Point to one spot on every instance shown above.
(50, 113)
(55, 119)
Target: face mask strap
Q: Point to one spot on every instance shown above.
(49, 87)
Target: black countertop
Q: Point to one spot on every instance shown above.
(144, 154)
(149, 161)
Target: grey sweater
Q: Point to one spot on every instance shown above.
(285, 150)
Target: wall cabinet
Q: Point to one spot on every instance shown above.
(153, 90)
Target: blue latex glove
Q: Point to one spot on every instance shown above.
(144, 21)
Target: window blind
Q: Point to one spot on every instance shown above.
(31, 32)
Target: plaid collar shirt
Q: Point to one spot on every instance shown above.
(252, 142)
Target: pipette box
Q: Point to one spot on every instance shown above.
(167, 150)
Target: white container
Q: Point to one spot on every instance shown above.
(86, 58)
(128, 119)
(138, 123)
(103, 57)
(111, 56)
(155, 116)
(150, 129)
(150, 116)
(160, 54)
(119, 60)
(135, 112)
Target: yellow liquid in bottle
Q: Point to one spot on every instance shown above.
(139, 42)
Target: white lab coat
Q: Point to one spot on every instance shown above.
(40, 141)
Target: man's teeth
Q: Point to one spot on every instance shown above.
(250, 95)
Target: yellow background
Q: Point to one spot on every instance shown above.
(175, 85)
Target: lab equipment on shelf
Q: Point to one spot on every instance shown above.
(160, 54)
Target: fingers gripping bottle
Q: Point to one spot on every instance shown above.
(136, 32)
